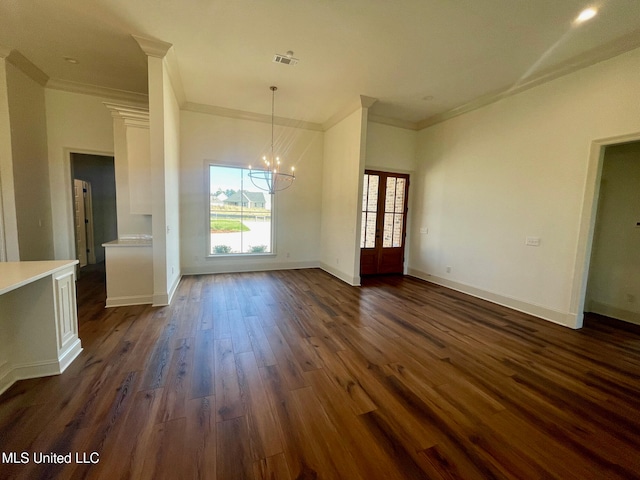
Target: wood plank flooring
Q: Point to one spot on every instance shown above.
(295, 375)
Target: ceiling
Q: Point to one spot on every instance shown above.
(419, 58)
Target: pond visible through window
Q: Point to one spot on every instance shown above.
(239, 213)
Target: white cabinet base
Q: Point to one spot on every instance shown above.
(38, 319)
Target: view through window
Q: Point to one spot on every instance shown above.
(239, 213)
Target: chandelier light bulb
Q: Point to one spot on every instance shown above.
(268, 178)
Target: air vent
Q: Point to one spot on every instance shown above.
(285, 59)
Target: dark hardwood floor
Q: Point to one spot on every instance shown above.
(295, 375)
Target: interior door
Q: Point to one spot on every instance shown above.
(384, 222)
(79, 220)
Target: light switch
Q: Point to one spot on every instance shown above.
(424, 230)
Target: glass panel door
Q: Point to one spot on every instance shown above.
(383, 229)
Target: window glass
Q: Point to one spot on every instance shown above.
(239, 213)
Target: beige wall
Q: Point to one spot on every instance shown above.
(343, 165)
(614, 276)
(390, 148)
(172, 182)
(75, 123)
(488, 179)
(9, 249)
(220, 140)
(30, 165)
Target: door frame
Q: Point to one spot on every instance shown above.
(587, 223)
(380, 214)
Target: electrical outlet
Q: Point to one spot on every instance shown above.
(532, 241)
(424, 230)
(448, 269)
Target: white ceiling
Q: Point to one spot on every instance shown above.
(419, 58)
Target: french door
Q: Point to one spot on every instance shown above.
(384, 222)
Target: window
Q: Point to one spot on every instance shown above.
(239, 213)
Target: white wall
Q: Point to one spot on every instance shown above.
(393, 149)
(8, 218)
(518, 168)
(30, 165)
(236, 142)
(75, 123)
(344, 146)
(390, 148)
(172, 182)
(130, 141)
(614, 276)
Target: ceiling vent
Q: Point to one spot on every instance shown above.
(286, 59)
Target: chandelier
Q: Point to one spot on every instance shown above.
(269, 177)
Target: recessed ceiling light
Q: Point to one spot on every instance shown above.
(586, 14)
(71, 60)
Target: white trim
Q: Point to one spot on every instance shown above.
(363, 102)
(251, 116)
(614, 312)
(11, 374)
(604, 52)
(588, 221)
(152, 47)
(71, 353)
(7, 378)
(562, 318)
(67, 153)
(141, 99)
(212, 268)
(174, 288)
(354, 281)
(129, 300)
(393, 122)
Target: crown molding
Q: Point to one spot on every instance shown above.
(367, 102)
(22, 63)
(132, 115)
(393, 122)
(97, 91)
(153, 48)
(165, 51)
(362, 102)
(613, 49)
(254, 117)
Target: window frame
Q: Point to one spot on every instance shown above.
(207, 223)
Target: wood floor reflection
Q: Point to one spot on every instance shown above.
(295, 375)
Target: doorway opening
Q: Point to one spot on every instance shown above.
(94, 207)
(384, 222)
(613, 285)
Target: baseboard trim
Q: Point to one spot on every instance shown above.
(570, 320)
(174, 288)
(213, 268)
(28, 370)
(128, 301)
(354, 281)
(10, 374)
(70, 355)
(614, 312)
(7, 377)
